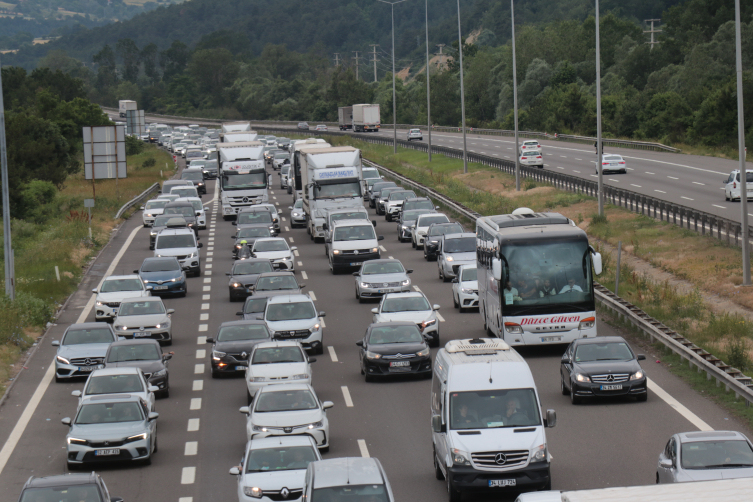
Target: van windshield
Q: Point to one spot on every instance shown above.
(491, 409)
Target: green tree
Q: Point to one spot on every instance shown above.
(149, 59)
(213, 70)
(106, 73)
(131, 56)
(174, 60)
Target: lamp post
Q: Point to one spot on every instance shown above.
(428, 89)
(10, 286)
(741, 149)
(598, 116)
(462, 94)
(394, 104)
(515, 98)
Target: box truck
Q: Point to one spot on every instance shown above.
(366, 118)
(345, 117)
(235, 126)
(243, 177)
(125, 105)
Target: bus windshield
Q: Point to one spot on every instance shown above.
(546, 274)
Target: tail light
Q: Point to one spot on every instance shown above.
(605, 163)
(524, 158)
(538, 157)
(622, 162)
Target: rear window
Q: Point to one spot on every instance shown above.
(612, 158)
(175, 241)
(425, 221)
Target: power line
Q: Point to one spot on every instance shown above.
(337, 59)
(440, 54)
(357, 57)
(652, 31)
(374, 59)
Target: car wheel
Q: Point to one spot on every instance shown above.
(169, 342)
(563, 389)
(358, 297)
(573, 398)
(388, 216)
(437, 470)
(642, 398)
(368, 378)
(165, 393)
(413, 243)
(324, 450)
(454, 301)
(320, 350)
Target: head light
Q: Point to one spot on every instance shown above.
(423, 353)
(450, 258)
(406, 282)
(581, 378)
(259, 428)
(460, 457)
(637, 375)
(373, 355)
(217, 354)
(316, 327)
(539, 454)
(335, 251)
(63, 360)
(467, 291)
(99, 304)
(253, 491)
(374, 250)
(315, 425)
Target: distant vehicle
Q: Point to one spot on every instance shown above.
(118, 381)
(453, 251)
(244, 275)
(366, 118)
(233, 343)
(113, 291)
(303, 126)
(465, 288)
(529, 144)
(611, 162)
(379, 277)
(532, 158)
(321, 127)
(415, 134)
(394, 348)
(276, 250)
(125, 105)
(345, 117)
(434, 232)
(140, 318)
(297, 214)
(144, 354)
(163, 276)
(732, 185)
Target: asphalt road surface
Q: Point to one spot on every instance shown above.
(202, 434)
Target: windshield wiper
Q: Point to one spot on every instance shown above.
(719, 466)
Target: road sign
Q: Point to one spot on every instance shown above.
(88, 202)
(104, 152)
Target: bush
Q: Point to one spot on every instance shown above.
(134, 145)
(598, 219)
(26, 310)
(150, 162)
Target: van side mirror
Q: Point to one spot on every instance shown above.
(356, 274)
(565, 359)
(239, 313)
(322, 313)
(210, 339)
(551, 418)
(380, 238)
(436, 424)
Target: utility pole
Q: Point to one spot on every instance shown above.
(741, 149)
(652, 31)
(428, 75)
(462, 95)
(337, 59)
(394, 102)
(515, 98)
(10, 277)
(598, 116)
(357, 62)
(374, 58)
(440, 54)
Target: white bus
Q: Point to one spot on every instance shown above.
(535, 284)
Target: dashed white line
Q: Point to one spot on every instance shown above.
(204, 317)
(201, 340)
(637, 186)
(190, 499)
(346, 396)
(672, 178)
(198, 385)
(686, 198)
(312, 295)
(188, 476)
(287, 229)
(203, 327)
(576, 171)
(291, 239)
(696, 183)
(193, 424)
(201, 353)
(363, 448)
(204, 306)
(296, 253)
(198, 369)
(321, 321)
(303, 274)
(575, 159)
(332, 354)
(207, 280)
(192, 448)
(207, 288)
(559, 167)
(391, 257)
(205, 297)
(720, 207)
(660, 191)
(439, 316)
(416, 288)
(383, 249)
(300, 263)
(195, 403)
(647, 172)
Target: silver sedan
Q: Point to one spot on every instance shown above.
(379, 277)
(704, 456)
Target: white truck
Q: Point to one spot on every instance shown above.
(234, 137)
(331, 178)
(345, 117)
(125, 105)
(236, 126)
(366, 118)
(294, 186)
(243, 177)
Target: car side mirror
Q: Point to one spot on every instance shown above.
(380, 238)
(244, 410)
(76, 393)
(356, 274)
(666, 463)
(565, 360)
(153, 388)
(66, 421)
(116, 499)
(409, 271)
(641, 357)
(239, 313)
(95, 291)
(551, 418)
(290, 207)
(436, 423)
(436, 207)
(294, 248)
(135, 271)
(234, 471)
(141, 208)
(153, 416)
(55, 343)
(375, 310)
(327, 405)
(311, 360)
(234, 223)
(210, 339)
(322, 313)
(359, 343)
(170, 311)
(435, 306)
(167, 357)
(455, 280)
(373, 222)
(200, 245)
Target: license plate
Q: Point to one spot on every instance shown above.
(142, 334)
(89, 368)
(105, 453)
(611, 387)
(395, 364)
(240, 368)
(160, 287)
(501, 482)
(115, 311)
(551, 338)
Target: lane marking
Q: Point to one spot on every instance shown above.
(198, 369)
(391, 257)
(439, 316)
(188, 476)
(198, 385)
(193, 424)
(204, 317)
(203, 327)
(383, 249)
(720, 207)
(363, 448)
(346, 396)
(702, 184)
(303, 274)
(332, 354)
(674, 403)
(195, 403)
(287, 229)
(312, 295)
(201, 340)
(321, 321)
(416, 288)
(672, 178)
(190, 499)
(204, 306)
(192, 448)
(660, 191)
(652, 173)
(638, 186)
(205, 297)
(296, 253)
(575, 159)
(300, 263)
(576, 171)
(207, 280)
(201, 353)
(207, 288)
(686, 198)
(558, 167)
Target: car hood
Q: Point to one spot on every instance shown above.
(292, 325)
(415, 316)
(117, 296)
(279, 369)
(245, 279)
(83, 350)
(397, 348)
(379, 278)
(238, 346)
(155, 211)
(350, 245)
(140, 320)
(469, 284)
(166, 275)
(601, 367)
(464, 257)
(280, 292)
(287, 418)
(146, 366)
(276, 480)
(272, 255)
(174, 251)
(498, 439)
(712, 474)
(115, 431)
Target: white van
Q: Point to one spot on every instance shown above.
(352, 242)
(487, 427)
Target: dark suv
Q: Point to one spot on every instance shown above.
(303, 126)
(90, 487)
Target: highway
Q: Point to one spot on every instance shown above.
(201, 433)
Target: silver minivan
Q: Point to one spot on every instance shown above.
(180, 243)
(352, 242)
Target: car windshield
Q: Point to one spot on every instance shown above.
(716, 454)
(181, 210)
(419, 204)
(370, 173)
(240, 332)
(612, 351)
(247, 233)
(155, 204)
(276, 283)
(494, 409)
(194, 153)
(385, 193)
(285, 168)
(355, 233)
(380, 186)
(211, 165)
(370, 493)
(282, 156)
(290, 400)
(147, 307)
(271, 355)
(351, 215)
(82, 336)
(197, 205)
(195, 163)
(425, 221)
(395, 334)
(136, 352)
(405, 304)
(160, 266)
(298, 204)
(452, 228)
(114, 285)
(280, 459)
(195, 176)
(290, 311)
(114, 384)
(241, 181)
(253, 267)
(88, 493)
(254, 217)
(270, 245)
(469, 274)
(175, 241)
(532, 153)
(108, 413)
(462, 245)
(254, 305)
(331, 191)
(401, 195)
(185, 192)
(385, 267)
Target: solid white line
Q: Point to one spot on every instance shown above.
(312, 295)
(363, 448)
(201, 353)
(198, 369)
(193, 424)
(188, 476)
(720, 207)
(346, 396)
(674, 403)
(332, 354)
(201, 340)
(198, 385)
(382, 248)
(303, 274)
(195, 403)
(192, 448)
(686, 198)
(439, 316)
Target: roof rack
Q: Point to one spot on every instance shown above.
(476, 346)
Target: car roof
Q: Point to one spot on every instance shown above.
(271, 442)
(63, 480)
(117, 277)
(600, 339)
(177, 231)
(463, 235)
(295, 298)
(187, 199)
(88, 325)
(384, 260)
(252, 260)
(436, 214)
(278, 343)
(285, 273)
(179, 203)
(159, 258)
(192, 169)
(264, 239)
(113, 397)
(286, 387)
(406, 294)
(689, 437)
(347, 470)
(142, 299)
(135, 341)
(352, 223)
(391, 323)
(243, 323)
(120, 370)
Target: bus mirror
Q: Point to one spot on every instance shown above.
(497, 268)
(597, 263)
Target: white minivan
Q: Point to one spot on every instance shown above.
(487, 426)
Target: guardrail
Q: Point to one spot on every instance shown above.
(732, 378)
(137, 199)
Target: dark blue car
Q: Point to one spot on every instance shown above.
(163, 276)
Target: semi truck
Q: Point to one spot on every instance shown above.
(331, 178)
(125, 105)
(243, 177)
(234, 137)
(294, 149)
(236, 126)
(366, 118)
(345, 117)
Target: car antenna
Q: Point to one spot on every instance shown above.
(490, 372)
(348, 475)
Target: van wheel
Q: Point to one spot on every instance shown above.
(437, 470)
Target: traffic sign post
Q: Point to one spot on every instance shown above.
(89, 204)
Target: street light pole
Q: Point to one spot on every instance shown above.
(598, 117)
(515, 99)
(462, 94)
(741, 150)
(394, 102)
(428, 89)
(10, 286)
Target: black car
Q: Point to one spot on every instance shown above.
(165, 221)
(145, 354)
(394, 348)
(84, 486)
(406, 220)
(376, 190)
(604, 366)
(244, 274)
(250, 233)
(434, 233)
(196, 176)
(163, 275)
(277, 283)
(303, 126)
(210, 169)
(183, 209)
(253, 309)
(233, 344)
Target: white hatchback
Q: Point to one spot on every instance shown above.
(152, 209)
(273, 363)
(611, 162)
(415, 134)
(113, 291)
(732, 185)
(532, 158)
(529, 145)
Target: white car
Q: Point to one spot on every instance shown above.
(147, 318)
(180, 243)
(465, 288)
(198, 207)
(418, 230)
(113, 291)
(529, 144)
(532, 158)
(294, 317)
(185, 191)
(152, 209)
(611, 162)
(282, 410)
(274, 468)
(168, 197)
(276, 250)
(351, 243)
(732, 185)
(415, 134)
(120, 380)
(272, 363)
(321, 127)
(413, 307)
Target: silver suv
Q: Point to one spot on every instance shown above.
(180, 243)
(294, 317)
